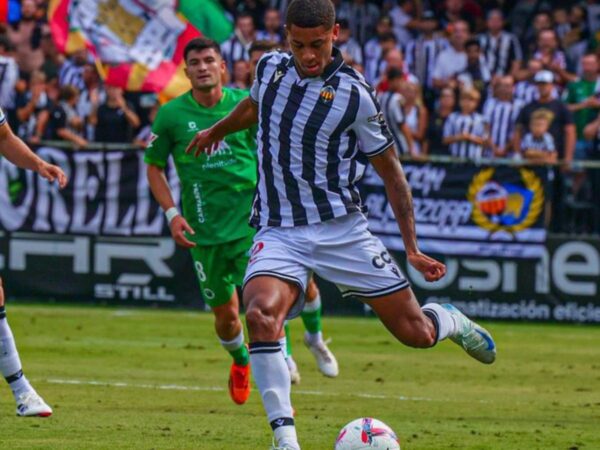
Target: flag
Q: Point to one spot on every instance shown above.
(138, 43)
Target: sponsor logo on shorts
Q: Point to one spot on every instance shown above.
(384, 260)
(256, 249)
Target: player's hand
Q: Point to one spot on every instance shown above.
(204, 141)
(178, 228)
(51, 173)
(431, 269)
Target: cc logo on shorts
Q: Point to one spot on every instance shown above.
(384, 259)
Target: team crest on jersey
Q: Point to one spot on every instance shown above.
(327, 94)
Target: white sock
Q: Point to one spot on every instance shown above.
(235, 343)
(283, 343)
(442, 320)
(272, 378)
(292, 366)
(313, 339)
(10, 364)
(313, 306)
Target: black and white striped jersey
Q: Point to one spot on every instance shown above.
(233, 49)
(391, 105)
(527, 91)
(312, 134)
(2, 117)
(420, 56)
(72, 74)
(474, 124)
(544, 143)
(373, 57)
(353, 49)
(500, 52)
(501, 116)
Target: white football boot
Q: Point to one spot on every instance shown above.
(30, 404)
(475, 340)
(325, 360)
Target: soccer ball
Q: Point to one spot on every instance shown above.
(367, 433)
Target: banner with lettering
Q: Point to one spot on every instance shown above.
(466, 209)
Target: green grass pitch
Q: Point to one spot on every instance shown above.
(147, 379)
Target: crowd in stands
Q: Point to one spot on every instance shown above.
(490, 78)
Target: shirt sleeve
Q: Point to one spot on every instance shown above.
(258, 75)
(449, 126)
(373, 134)
(2, 117)
(159, 145)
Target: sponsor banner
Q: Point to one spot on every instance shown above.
(465, 210)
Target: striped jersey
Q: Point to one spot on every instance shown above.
(391, 106)
(72, 74)
(373, 57)
(458, 123)
(233, 49)
(500, 52)
(313, 132)
(527, 91)
(502, 116)
(2, 117)
(420, 55)
(544, 143)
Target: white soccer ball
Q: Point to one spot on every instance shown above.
(367, 433)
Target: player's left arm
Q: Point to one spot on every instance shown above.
(399, 195)
(18, 153)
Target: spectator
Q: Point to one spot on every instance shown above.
(501, 112)
(476, 74)
(144, 136)
(501, 50)
(373, 47)
(375, 61)
(65, 124)
(575, 42)
(241, 75)
(562, 128)
(560, 17)
(256, 50)
(592, 133)
(273, 30)
(394, 59)
(391, 106)
(115, 119)
(551, 57)
(92, 95)
(526, 91)
(435, 129)
(362, 17)
(236, 47)
(541, 22)
(71, 72)
(458, 10)
(422, 52)
(9, 72)
(33, 109)
(415, 113)
(538, 144)
(466, 133)
(347, 44)
(53, 60)
(403, 18)
(25, 36)
(453, 59)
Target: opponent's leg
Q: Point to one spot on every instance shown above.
(313, 337)
(29, 403)
(267, 300)
(286, 346)
(424, 327)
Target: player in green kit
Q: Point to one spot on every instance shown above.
(217, 193)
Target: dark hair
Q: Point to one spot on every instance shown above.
(262, 46)
(473, 42)
(200, 44)
(310, 14)
(394, 73)
(68, 92)
(244, 15)
(387, 37)
(6, 43)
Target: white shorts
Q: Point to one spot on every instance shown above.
(341, 250)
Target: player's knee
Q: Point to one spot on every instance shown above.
(262, 323)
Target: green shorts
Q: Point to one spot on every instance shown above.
(220, 268)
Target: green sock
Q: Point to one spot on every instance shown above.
(311, 315)
(288, 339)
(240, 356)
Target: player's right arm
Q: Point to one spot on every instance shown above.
(156, 157)
(245, 115)
(18, 153)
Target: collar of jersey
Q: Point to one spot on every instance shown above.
(198, 105)
(331, 68)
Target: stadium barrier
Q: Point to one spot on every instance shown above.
(103, 239)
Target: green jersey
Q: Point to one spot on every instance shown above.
(216, 190)
(578, 91)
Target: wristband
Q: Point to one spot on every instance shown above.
(171, 213)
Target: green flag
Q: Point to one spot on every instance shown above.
(208, 17)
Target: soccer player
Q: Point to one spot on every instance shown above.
(316, 117)
(217, 195)
(29, 403)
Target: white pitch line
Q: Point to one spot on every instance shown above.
(177, 387)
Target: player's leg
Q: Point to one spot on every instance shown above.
(425, 326)
(29, 403)
(267, 301)
(219, 292)
(286, 346)
(313, 337)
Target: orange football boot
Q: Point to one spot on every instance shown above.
(239, 383)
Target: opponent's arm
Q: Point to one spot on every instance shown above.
(162, 193)
(243, 116)
(399, 195)
(18, 153)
